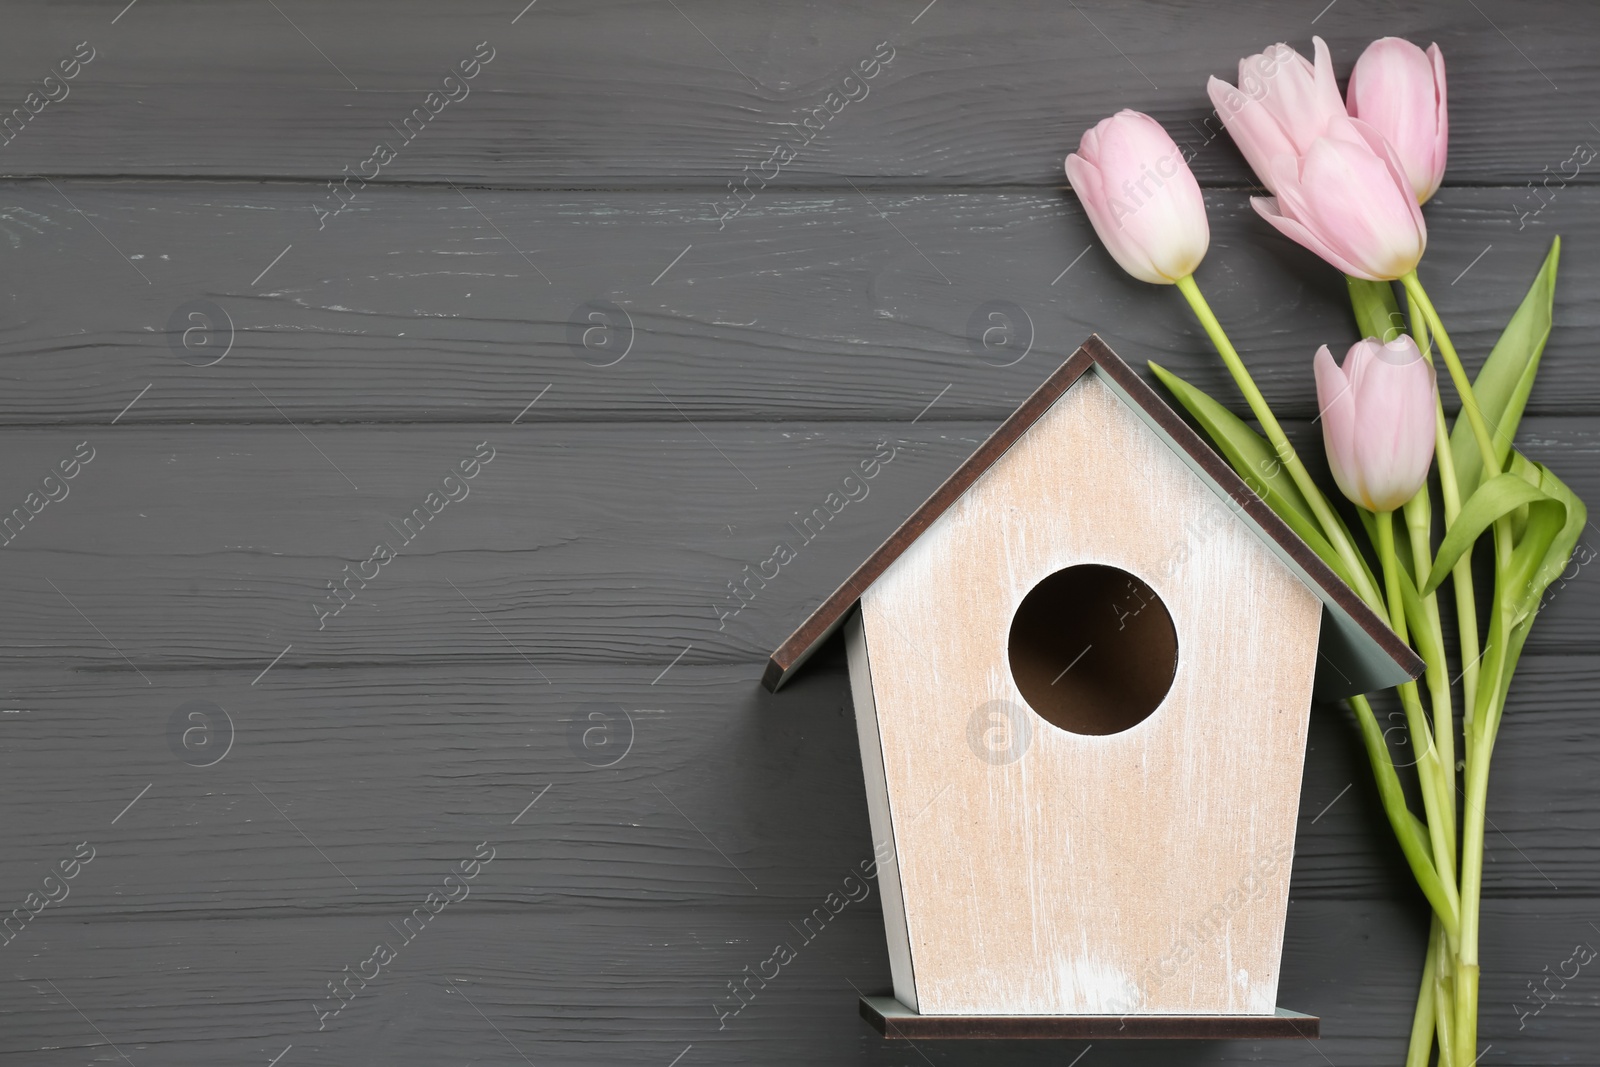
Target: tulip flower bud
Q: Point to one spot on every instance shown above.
(1348, 200)
(1378, 414)
(1398, 90)
(1141, 197)
(1281, 105)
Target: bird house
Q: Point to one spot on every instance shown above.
(1083, 672)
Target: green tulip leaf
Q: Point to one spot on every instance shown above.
(1547, 544)
(1545, 521)
(1503, 385)
(1376, 310)
(1253, 458)
(1499, 496)
(1528, 471)
(1251, 454)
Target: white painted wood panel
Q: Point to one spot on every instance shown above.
(1145, 871)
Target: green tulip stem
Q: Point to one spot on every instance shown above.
(1280, 442)
(1420, 1048)
(1458, 375)
(1429, 772)
(1479, 738)
(1461, 573)
(1466, 599)
(1429, 631)
(1419, 331)
(1489, 680)
(1444, 1022)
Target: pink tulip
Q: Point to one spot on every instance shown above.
(1141, 197)
(1281, 105)
(1348, 200)
(1377, 420)
(1398, 89)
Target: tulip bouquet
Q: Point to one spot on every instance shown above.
(1348, 178)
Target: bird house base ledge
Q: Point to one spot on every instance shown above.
(893, 1019)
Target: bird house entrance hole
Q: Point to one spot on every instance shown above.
(1093, 649)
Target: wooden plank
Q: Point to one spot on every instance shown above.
(601, 781)
(215, 546)
(638, 983)
(812, 307)
(640, 94)
(391, 769)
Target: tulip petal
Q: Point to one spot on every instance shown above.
(1394, 393)
(1301, 97)
(1089, 184)
(1256, 133)
(1397, 173)
(1268, 207)
(1337, 413)
(1325, 86)
(1089, 143)
(1441, 133)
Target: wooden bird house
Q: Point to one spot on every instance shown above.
(1083, 672)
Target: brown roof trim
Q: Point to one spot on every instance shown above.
(1092, 353)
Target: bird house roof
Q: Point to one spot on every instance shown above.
(1357, 652)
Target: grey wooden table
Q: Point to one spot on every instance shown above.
(257, 376)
